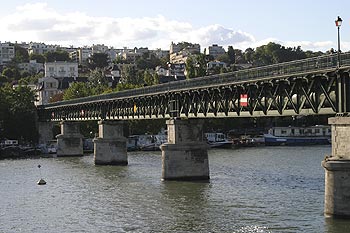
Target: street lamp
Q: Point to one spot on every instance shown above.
(338, 22)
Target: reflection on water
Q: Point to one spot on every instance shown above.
(276, 189)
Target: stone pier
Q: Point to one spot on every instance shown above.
(70, 141)
(185, 155)
(337, 170)
(45, 131)
(110, 145)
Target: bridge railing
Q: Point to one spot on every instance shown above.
(287, 68)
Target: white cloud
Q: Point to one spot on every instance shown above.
(38, 22)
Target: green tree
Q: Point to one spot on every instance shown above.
(57, 56)
(201, 65)
(249, 55)
(130, 75)
(38, 57)
(21, 54)
(190, 69)
(155, 78)
(77, 90)
(148, 78)
(231, 55)
(3, 79)
(98, 60)
(20, 117)
(97, 77)
(11, 73)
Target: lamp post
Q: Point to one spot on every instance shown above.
(338, 22)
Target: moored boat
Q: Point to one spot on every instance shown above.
(312, 135)
(218, 140)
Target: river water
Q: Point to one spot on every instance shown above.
(263, 189)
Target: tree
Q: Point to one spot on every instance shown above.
(231, 55)
(77, 90)
(98, 60)
(38, 57)
(190, 70)
(201, 65)
(11, 73)
(3, 79)
(155, 78)
(248, 55)
(57, 56)
(19, 116)
(130, 75)
(148, 78)
(97, 77)
(21, 54)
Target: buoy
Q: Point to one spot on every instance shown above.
(41, 182)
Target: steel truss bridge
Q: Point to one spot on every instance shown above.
(317, 85)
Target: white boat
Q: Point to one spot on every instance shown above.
(319, 134)
(147, 142)
(218, 140)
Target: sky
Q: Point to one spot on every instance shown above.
(156, 23)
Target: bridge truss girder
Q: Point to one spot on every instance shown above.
(321, 93)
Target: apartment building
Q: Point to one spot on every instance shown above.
(33, 67)
(61, 69)
(7, 52)
(215, 50)
(81, 55)
(41, 48)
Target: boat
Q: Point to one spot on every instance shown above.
(218, 140)
(312, 135)
(147, 142)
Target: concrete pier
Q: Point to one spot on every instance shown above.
(45, 131)
(337, 170)
(185, 155)
(110, 145)
(70, 141)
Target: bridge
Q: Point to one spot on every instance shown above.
(319, 85)
(310, 86)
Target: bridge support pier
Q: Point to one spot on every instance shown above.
(70, 141)
(185, 155)
(337, 170)
(110, 146)
(45, 131)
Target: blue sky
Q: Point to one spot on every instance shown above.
(155, 23)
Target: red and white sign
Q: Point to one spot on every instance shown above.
(244, 100)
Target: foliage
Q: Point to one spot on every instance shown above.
(18, 114)
(148, 78)
(125, 86)
(3, 79)
(150, 62)
(56, 98)
(11, 73)
(97, 77)
(196, 66)
(57, 56)
(21, 54)
(98, 60)
(231, 55)
(77, 90)
(129, 75)
(38, 57)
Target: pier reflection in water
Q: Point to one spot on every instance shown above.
(265, 189)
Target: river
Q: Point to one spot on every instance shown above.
(262, 189)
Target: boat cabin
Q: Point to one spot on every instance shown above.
(291, 131)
